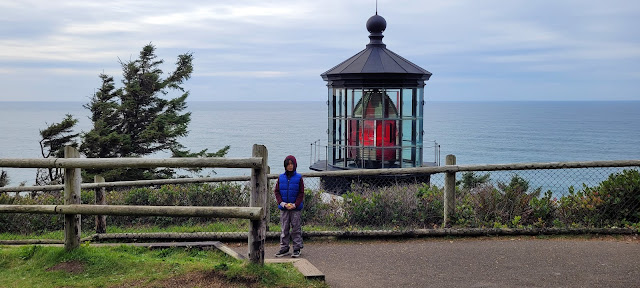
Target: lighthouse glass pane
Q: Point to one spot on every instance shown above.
(343, 132)
(395, 133)
(420, 100)
(408, 143)
(374, 107)
(357, 97)
(339, 103)
(408, 133)
(358, 111)
(419, 133)
(336, 143)
(332, 99)
(408, 103)
(406, 157)
(393, 96)
(331, 125)
(348, 103)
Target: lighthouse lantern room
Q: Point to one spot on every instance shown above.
(375, 101)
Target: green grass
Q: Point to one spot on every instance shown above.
(222, 226)
(125, 266)
(226, 226)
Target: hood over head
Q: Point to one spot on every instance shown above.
(293, 160)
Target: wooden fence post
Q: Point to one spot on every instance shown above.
(72, 181)
(449, 192)
(268, 207)
(258, 198)
(101, 220)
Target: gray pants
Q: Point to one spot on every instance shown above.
(291, 219)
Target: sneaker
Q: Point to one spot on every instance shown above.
(296, 254)
(282, 252)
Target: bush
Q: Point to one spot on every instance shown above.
(362, 210)
(24, 223)
(504, 203)
(218, 194)
(613, 202)
(319, 212)
(544, 209)
(430, 210)
(479, 203)
(398, 207)
(620, 197)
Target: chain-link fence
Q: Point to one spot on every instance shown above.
(596, 197)
(600, 197)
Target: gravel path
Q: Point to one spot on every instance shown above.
(474, 262)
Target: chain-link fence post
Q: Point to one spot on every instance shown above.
(449, 191)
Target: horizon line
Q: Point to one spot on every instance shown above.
(301, 101)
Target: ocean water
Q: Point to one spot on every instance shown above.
(476, 132)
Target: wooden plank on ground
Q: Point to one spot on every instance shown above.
(280, 260)
(175, 244)
(229, 251)
(303, 265)
(308, 270)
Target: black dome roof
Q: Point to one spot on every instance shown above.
(376, 65)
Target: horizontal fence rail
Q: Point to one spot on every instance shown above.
(252, 213)
(99, 163)
(132, 183)
(486, 167)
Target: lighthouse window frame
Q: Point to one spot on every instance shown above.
(407, 138)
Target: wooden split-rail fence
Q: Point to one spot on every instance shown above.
(72, 164)
(256, 213)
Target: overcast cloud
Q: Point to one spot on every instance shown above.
(276, 50)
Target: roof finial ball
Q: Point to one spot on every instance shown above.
(376, 24)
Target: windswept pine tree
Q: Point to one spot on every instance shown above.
(136, 120)
(4, 178)
(54, 138)
(104, 140)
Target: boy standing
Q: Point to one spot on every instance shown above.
(289, 194)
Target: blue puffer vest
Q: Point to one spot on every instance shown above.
(289, 188)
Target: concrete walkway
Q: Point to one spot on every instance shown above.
(474, 262)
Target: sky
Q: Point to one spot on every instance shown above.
(247, 50)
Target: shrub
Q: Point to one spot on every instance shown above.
(471, 180)
(578, 207)
(430, 210)
(614, 201)
(544, 209)
(24, 223)
(364, 210)
(620, 196)
(504, 203)
(465, 211)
